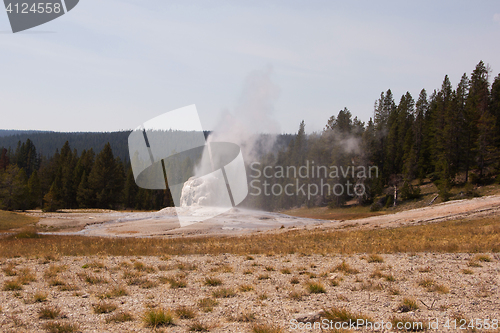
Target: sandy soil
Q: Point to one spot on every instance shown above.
(458, 286)
(241, 221)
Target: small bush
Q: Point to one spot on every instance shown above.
(286, 271)
(185, 312)
(12, 285)
(269, 268)
(39, 297)
(245, 288)
(158, 317)
(294, 281)
(342, 315)
(25, 276)
(93, 279)
(483, 258)
(213, 282)
(266, 328)
(296, 295)
(49, 312)
(467, 271)
(198, 327)
(345, 268)
(104, 307)
(315, 288)
(408, 305)
(10, 270)
(120, 317)
(375, 258)
(207, 304)
(175, 283)
(263, 277)
(224, 293)
(60, 327)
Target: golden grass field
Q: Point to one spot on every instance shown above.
(471, 236)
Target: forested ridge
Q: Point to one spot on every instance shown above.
(450, 136)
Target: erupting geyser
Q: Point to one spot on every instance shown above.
(200, 191)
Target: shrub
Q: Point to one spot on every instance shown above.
(49, 313)
(120, 317)
(408, 305)
(39, 297)
(315, 288)
(375, 258)
(198, 327)
(213, 282)
(224, 293)
(345, 268)
(60, 327)
(286, 271)
(483, 258)
(342, 315)
(104, 307)
(158, 317)
(265, 328)
(245, 288)
(185, 312)
(207, 304)
(12, 285)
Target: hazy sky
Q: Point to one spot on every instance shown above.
(113, 64)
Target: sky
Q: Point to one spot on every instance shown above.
(114, 64)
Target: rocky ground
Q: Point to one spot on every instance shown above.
(229, 293)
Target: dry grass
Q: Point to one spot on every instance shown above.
(224, 293)
(104, 307)
(207, 304)
(120, 317)
(199, 327)
(342, 315)
(266, 328)
(245, 288)
(39, 297)
(49, 312)
(482, 235)
(12, 285)
(375, 258)
(345, 268)
(212, 282)
(483, 258)
(315, 288)
(175, 282)
(408, 305)
(158, 317)
(60, 327)
(93, 279)
(185, 312)
(11, 220)
(432, 286)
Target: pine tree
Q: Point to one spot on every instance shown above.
(106, 179)
(35, 191)
(481, 122)
(52, 200)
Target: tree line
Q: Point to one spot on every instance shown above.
(70, 180)
(451, 137)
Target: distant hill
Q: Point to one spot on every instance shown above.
(15, 132)
(47, 143)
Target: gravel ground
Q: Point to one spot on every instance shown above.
(443, 286)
